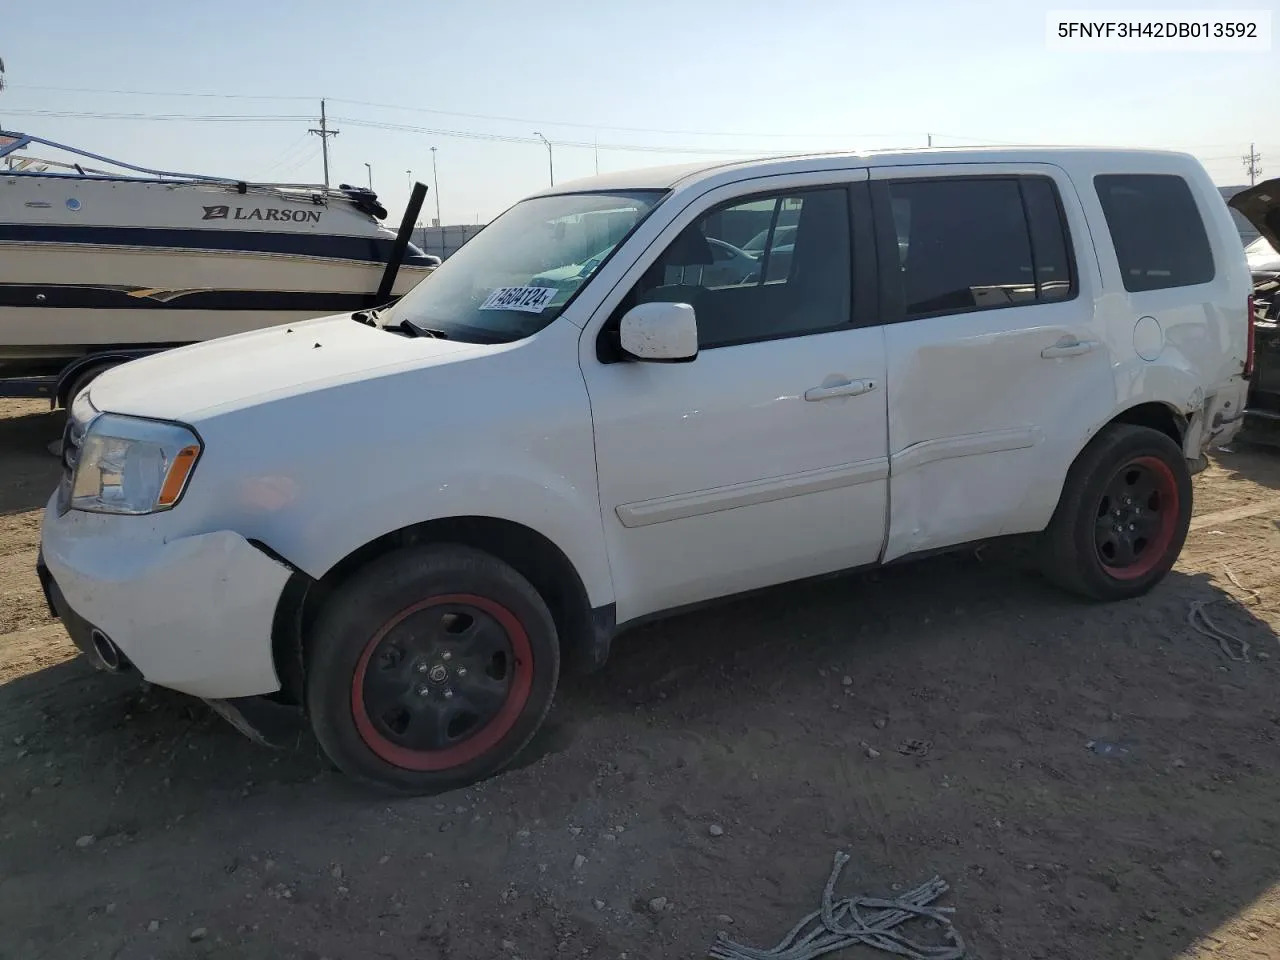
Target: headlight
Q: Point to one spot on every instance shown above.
(128, 465)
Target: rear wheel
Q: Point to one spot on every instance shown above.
(1123, 515)
(431, 668)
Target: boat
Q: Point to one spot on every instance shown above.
(99, 254)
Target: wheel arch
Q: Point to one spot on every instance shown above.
(585, 632)
(1159, 415)
(92, 363)
(1156, 415)
(1042, 500)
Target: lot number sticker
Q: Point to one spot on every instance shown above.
(526, 299)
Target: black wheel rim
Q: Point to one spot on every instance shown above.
(437, 677)
(1136, 518)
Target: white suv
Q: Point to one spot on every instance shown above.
(404, 520)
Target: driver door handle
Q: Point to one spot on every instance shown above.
(1069, 347)
(849, 388)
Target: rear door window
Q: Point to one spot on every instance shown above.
(1159, 237)
(973, 243)
(1050, 244)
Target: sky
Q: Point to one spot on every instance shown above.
(653, 82)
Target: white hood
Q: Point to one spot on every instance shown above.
(250, 368)
(1260, 205)
(1262, 258)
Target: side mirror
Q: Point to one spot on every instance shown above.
(659, 333)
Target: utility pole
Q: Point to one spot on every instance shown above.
(435, 186)
(324, 133)
(930, 136)
(551, 167)
(9, 158)
(597, 154)
(1252, 164)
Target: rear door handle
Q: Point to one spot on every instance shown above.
(850, 388)
(1069, 347)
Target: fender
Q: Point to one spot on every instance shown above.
(317, 475)
(1168, 381)
(547, 504)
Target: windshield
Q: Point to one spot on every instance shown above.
(518, 273)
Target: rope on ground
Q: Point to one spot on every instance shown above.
(839, 924)
(1257, 596)
(1200, 621)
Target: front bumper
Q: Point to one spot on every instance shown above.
(193, 614)
(78, 628)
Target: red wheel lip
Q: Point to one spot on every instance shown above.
(483, 739)
(1168, 520)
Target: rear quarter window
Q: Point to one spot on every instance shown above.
(1156, 228)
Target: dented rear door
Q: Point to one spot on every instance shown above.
(996, 363)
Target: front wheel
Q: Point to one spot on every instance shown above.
(1123, 515)
(430, 668)
(78, 386)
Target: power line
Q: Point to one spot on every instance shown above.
(371, 124)
(157, 93)
(577, 124)
(289, 152)
(325, 132)
(513, 138)
(302, 161)
(176, 117)
(595, 126)
(474, 116)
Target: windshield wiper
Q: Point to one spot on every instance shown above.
(416, 330)
(370, 318)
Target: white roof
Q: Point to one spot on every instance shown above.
(683, 175)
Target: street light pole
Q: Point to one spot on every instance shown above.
(370, 170)
(435, 185)
(551, 168)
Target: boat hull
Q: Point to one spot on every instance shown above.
(155, 296)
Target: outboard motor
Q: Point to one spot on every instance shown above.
(365, 200)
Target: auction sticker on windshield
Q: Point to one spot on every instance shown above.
(528, 299)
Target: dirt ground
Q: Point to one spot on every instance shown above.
(929, 719)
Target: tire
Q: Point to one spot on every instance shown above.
(86, 377)
(82, 380)
(429, 669)
(1123, 515)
